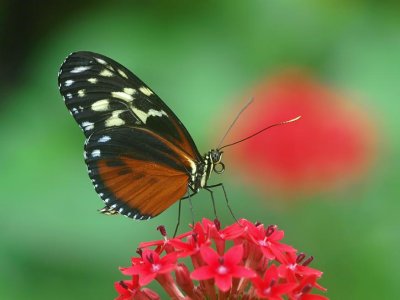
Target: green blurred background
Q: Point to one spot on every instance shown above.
(199, 56)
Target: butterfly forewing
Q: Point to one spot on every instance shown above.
(139, 155)
(101, 93)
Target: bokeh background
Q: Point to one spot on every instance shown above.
(205, 58)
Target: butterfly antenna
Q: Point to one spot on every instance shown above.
(234, 121)
(258, 132)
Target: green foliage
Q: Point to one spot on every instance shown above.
(199, 58)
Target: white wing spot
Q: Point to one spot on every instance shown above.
(115, 120)
(101, 194)
(151, 113)
(87, 125)
(69, 95)
(140, 114)
(120, 210)
(106, 73)
(146, 91)
(81, 93)
(113, 206)
(96, 153)
(74, 111)
(92, 80)
(100, 61)
(80, 69)
(156, 113)
(123, 96)
(129, 91)
(104, 138)
(122, 73)
(101, 105)
(107, 200)
(68, 82)
(84, 155)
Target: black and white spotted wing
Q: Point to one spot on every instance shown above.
(139, 155)
(101, 93)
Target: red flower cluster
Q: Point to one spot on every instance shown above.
(256, 266)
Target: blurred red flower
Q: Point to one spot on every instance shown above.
(331, 144)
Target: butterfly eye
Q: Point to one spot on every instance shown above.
(216, 156)
(219, 168)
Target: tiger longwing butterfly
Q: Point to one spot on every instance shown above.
(140, 157)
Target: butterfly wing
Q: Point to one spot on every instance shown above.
(101, 93)
(140, 156)
(135, 171)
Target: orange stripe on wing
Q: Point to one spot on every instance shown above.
(145, 186)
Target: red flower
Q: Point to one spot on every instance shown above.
(269, 286)
(194, 241)
(249, 269)
(303, 289)
(222, 268)
(268, 241)
(130, 289)
(151, 266)
(293, 265)
(331, 144)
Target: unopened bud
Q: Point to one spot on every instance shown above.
(162, 230)
(183, 279)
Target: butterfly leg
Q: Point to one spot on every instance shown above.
(213, 201)
(188, 196)
(226, 197)
(179, 209)
(191, 210)
(179, 217)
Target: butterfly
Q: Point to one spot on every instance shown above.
(140, 157)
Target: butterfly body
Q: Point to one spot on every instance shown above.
(140, 157)
(205, 168)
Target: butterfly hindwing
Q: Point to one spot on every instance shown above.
(101, 94)
(137, 172)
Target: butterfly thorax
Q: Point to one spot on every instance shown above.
(211, 162)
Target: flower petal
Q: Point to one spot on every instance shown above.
(240, 271)
(170, 258)
(224, 282)
(134, 270)
(209, 255)
(271, 273)
(202, 273)
(146, 278)
(234, 255)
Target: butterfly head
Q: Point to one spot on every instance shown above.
(215, 156)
